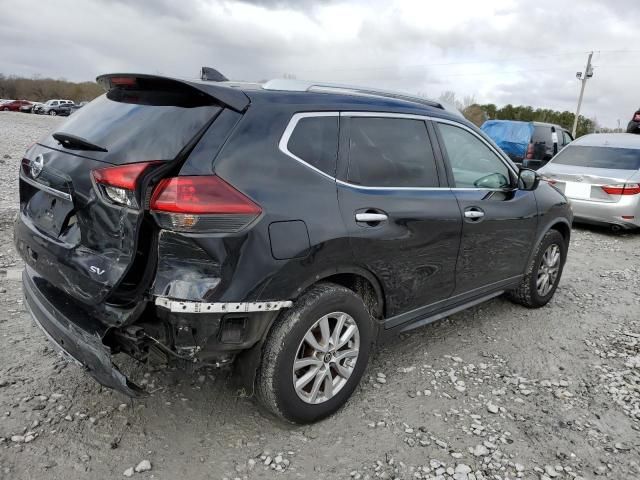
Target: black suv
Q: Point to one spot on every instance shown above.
(282, 227)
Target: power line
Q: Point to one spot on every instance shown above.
(471, 62)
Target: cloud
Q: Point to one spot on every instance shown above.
(504, 51)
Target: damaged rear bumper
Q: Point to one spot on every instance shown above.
(74, 333)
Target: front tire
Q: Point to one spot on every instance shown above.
(53, 113)
(315, 354)
(543, 272)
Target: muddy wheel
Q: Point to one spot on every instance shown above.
(315, 354)
(543, 273)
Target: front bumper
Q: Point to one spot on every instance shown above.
(74, 333)
(610, 213)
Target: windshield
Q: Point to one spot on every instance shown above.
(599, 157)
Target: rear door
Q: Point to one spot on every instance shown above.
(81, 189)
(404, 226)
(544, 147)
(499, 221)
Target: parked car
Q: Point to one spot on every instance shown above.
(530, 144)
(56, 107)
(77, 106)
(280, 228)
(13, 105)
(28, 108)
(634, 124)
(600, 174)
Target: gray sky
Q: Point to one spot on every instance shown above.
(500, 51)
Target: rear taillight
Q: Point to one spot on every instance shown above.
(201, 204)
(622, 189)
(529, 151)
(549, 180)
(118, 184)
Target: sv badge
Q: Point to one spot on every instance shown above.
(96, 270)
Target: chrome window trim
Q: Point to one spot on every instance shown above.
(296, 117)
(470, 189)
(46, 188)
(283, 145)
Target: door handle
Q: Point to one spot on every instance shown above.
(473, 214)
(371, 217)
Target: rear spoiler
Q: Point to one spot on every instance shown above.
(229, 96)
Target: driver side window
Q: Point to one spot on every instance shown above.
(473, 163)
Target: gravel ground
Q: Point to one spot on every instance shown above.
(496, 392)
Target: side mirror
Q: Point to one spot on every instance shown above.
(528, 179)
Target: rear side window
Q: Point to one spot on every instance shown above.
(140, 125)
(599, 157)
(315, 140)
(391, 152)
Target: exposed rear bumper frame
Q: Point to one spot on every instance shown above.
(179, 306)
(81, 341)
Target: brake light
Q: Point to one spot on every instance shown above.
(622, 189)
(119, 183)
(529, 155)
(123, 81)
(201, 203)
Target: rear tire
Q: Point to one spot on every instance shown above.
(543, 272)
(329, 313)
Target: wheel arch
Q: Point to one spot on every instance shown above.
(561, 225)
(564, 228)
(357, 279)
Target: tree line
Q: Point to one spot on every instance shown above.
(42, 89)
(478, 114)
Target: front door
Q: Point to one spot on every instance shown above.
(403, 225)
(499, 220)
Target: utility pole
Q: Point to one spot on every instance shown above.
(588, 73)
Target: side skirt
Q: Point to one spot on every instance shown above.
(451, 311)
(431, 313)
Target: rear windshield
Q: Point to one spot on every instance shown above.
(136, 125)
(541, 134)
(599, 157)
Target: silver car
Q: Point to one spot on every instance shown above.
(600, 175)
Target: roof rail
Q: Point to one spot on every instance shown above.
(322, 87)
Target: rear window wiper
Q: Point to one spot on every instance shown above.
(76, 143)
